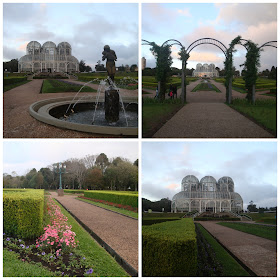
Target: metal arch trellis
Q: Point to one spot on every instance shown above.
(208, 41)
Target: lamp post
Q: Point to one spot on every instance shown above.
(60, 169)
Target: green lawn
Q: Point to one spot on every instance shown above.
(112, 208)
(264, 218)
(264, 112)
(13, 266)
(156, 114)
(268, 232)
(53, 86)
(205, 87)
(104, 265)
(231, 268)
(8, 87)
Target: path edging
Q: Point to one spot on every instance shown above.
(251, 272)
(125, 265)
(108, 209)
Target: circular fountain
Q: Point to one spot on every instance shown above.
(110, 114)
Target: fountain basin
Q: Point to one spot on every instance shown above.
(47, 111)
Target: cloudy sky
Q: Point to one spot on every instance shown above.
(21, 156)
(251, 165)
(86, 26)
(190, 22)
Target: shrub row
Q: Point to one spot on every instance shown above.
(148, 222)
(74, 191)
(14, 80)
(169, 252)
(23, 212)
(216, 219)
(124, 198)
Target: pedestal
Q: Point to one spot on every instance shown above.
(60, 192)
(111, 105)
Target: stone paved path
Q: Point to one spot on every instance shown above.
(19, 124)
(119, 232)
(206, 116)
(259, 254)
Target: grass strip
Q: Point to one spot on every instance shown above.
(205, 87)
(258, 230)
(12, 264)
(112, 208)
(263, 112)
(231, 268)
(156, 115)
(264, 218)
(54, 86)
(103, 263)
(11, 86)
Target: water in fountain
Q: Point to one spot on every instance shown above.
(98, 113)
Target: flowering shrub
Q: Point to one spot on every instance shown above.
(58, 234)
(126, 207)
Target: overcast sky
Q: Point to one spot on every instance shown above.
(21, 156)
(190, 22)
(86, 26)
(251, 165)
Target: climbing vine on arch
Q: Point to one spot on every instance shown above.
(229, 66)
(251, 69)
(163, 63)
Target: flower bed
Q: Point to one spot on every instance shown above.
(126, 207)
(56, 248)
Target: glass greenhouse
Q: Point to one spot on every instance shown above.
(207, 195)
(48, 58)
(205, 70)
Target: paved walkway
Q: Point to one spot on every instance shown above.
(119, 232)
(19, 124)
(206, 116)
(258, 254)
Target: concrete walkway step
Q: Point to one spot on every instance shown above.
(257, 253)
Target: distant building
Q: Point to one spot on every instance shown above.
(48, 58)
(143, 63)
(205, 70)
(207, 195)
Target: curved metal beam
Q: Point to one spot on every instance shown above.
(269, 44)
(208, 41)
(176, 42)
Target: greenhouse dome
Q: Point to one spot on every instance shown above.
(207, 195)
(48, 58)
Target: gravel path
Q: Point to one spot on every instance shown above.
(259, 254)
(206, 116)
(119, 232)
(19, 124)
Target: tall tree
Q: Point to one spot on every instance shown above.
(102, 162)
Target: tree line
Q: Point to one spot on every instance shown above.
(93, 172)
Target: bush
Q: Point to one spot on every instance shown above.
(23, 212)
(74, 191)
(169, 249)
(14, 80)
(148, 222)
(124, 198)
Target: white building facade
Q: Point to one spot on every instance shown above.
(48, 58)
(207, 195)
(205, 70)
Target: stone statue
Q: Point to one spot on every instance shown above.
(110, 55)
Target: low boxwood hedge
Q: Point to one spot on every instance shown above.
(124, 198)
(170, 249)
(23, 212)
(74, 191)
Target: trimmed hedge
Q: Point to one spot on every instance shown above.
(124, 198)
(151, 221)
(74, 191)
(216, 219)
(170, 249)
(23, 212)
(14, 80)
